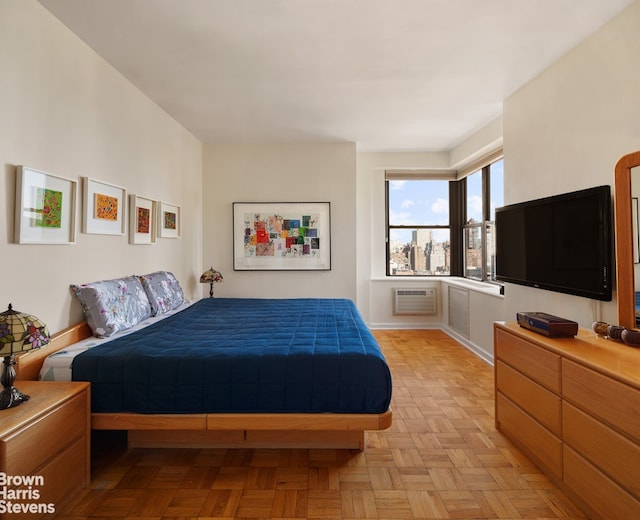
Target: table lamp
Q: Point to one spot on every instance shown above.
(211, 276)
(19, 332)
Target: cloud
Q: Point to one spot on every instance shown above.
(401, 218)
(407, 203)
(440, 206)
(475, 205)
(397, 185)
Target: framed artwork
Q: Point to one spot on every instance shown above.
(281, 236)
(104, 208)
(142, 220)
(45, 210)
(168, 220)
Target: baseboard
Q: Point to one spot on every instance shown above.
(404, 326)
(476, 349)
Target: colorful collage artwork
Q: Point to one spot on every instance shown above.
(281, 235)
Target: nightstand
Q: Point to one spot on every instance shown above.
(45, 448)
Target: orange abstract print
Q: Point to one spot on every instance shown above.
(106, 207)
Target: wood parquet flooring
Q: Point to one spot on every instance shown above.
(442, 458)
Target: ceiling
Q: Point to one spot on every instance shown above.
(389, 75)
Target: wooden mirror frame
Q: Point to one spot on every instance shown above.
(624, 239)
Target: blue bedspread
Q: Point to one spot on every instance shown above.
(243, 355)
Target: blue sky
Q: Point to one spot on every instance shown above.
(427, 202)
(416, 202)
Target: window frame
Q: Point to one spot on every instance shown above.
(458, 225)
(413, 176)
(485, 173)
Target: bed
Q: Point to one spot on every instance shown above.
(233, 372)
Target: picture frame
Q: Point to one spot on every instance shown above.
(142, 220)
(168, 220)
(281, 236)
(45, 208)
(104, 208)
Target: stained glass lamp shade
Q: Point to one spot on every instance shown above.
(19, 332)
(211, 276)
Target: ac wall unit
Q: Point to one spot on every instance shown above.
(415, 301)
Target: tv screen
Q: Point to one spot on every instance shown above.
(561, 243)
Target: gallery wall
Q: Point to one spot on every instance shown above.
(67, 112)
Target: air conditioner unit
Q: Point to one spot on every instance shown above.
(415, 301)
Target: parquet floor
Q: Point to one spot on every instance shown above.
(442, 458)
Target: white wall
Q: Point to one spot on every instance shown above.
(67, 112)
(375, 288)
(281, 173)
(565, 130)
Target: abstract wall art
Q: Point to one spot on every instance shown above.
(103, 208)
(142, 220)
(282, 235)
(45, 208)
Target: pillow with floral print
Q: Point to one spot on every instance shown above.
(113, 305)
(163, 290)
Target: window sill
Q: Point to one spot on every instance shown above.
(474, 285)
(483, 287)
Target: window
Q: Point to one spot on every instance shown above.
(473, 227)
(437, 226)
(418, 227)
(484, 192)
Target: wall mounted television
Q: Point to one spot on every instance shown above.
(561, 243)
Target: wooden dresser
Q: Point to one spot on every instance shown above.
(46, 438)
(573, 406)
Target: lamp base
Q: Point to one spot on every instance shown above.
(11, 396)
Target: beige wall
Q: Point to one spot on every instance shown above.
(65, 111)
(281, 173)
(566, 130)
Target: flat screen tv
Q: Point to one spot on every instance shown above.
(560, 243)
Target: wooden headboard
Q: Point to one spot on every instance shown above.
(28, 365)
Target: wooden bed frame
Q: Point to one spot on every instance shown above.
(253, 430)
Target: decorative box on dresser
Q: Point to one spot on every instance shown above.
(573, 406)
(46, 438)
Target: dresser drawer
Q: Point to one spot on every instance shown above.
(27, 449)
(605, 498)
(540, 403)
(535, 362)
(540, 444)
(613, 453)
(616, 403)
